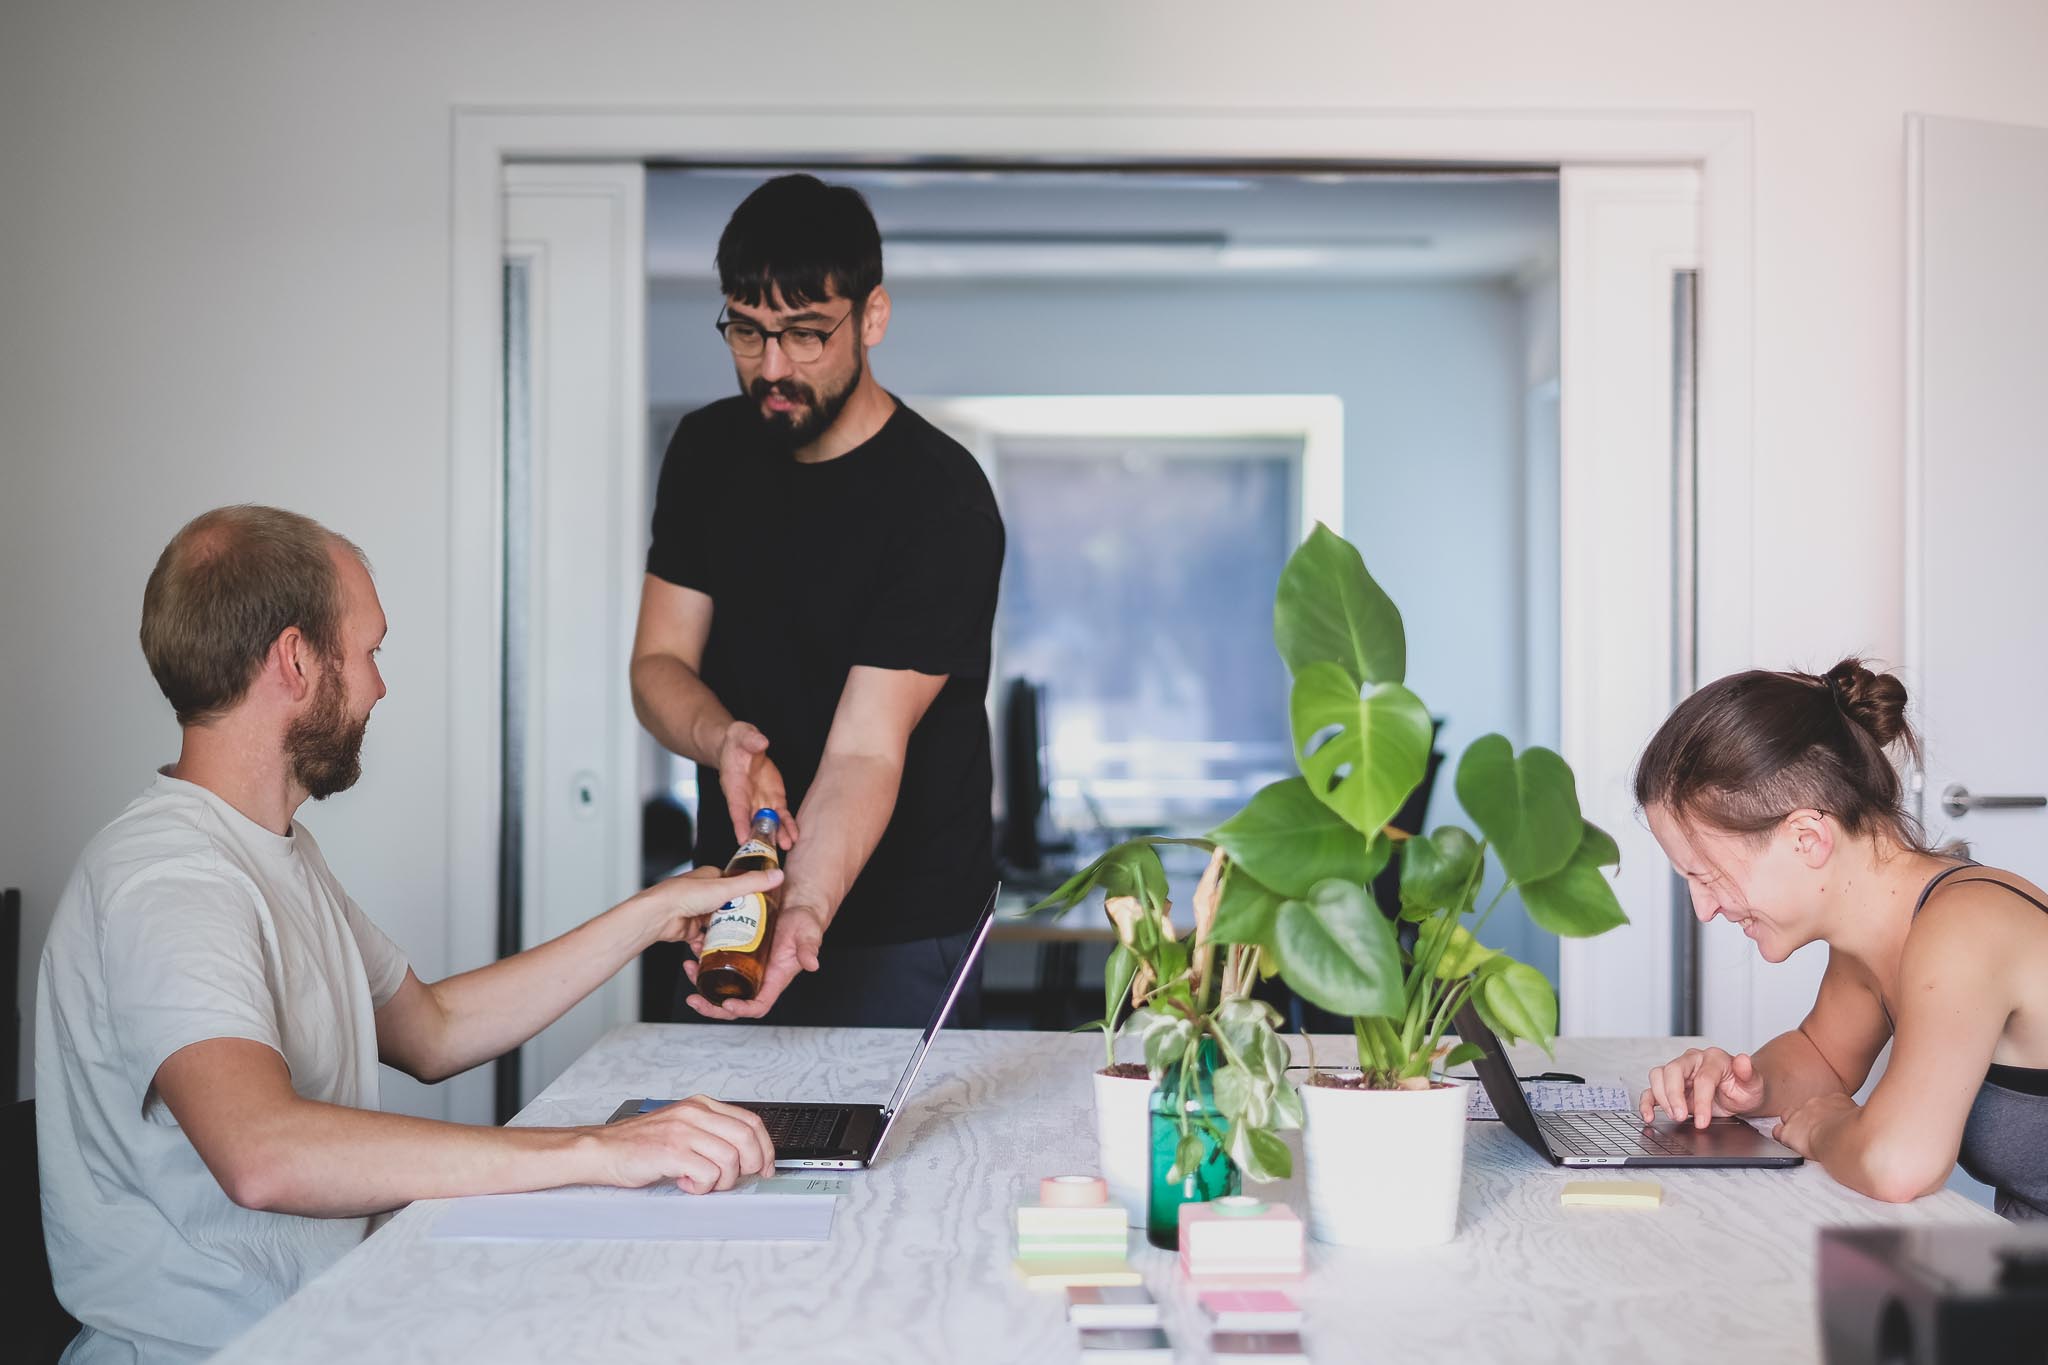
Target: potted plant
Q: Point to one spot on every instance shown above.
(1290, 878)
(1384, 1144)
(1214, 1083)
(1123, 1095)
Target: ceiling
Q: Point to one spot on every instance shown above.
(940, 224)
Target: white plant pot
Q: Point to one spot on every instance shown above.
(1123, 1133)
(1384, 1166)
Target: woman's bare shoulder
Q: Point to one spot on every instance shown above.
(1977, 913)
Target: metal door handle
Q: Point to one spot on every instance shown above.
(1957, 801)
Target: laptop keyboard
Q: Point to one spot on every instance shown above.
(1605, 1132)
(794, 1127)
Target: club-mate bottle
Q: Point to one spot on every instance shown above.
(735, 952)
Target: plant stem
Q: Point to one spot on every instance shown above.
(1498, 896)
(1452, 1003)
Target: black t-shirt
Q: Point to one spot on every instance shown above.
(888, 556)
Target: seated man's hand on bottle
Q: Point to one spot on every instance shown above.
(799, 933)
(684, 904)
(700, 1143)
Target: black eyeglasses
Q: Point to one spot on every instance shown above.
(800, 344)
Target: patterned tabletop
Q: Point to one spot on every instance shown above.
(918, 1266)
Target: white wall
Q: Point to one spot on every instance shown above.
(1431, 378)
(224, 275)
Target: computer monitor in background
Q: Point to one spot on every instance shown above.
(1024, 776)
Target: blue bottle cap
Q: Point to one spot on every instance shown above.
(769, 814)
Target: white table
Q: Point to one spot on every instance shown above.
(918, 1268)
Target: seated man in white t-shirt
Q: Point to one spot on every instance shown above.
(213, 1006)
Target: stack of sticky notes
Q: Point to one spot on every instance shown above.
(1073, 1235)
(1116, 1305)
(1240, 1241)
(1119, 1323)
(1261, 1323)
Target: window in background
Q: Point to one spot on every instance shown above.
(1138, 593)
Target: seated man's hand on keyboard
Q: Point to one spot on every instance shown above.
(700, 1143)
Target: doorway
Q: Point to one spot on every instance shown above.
(1714, 149)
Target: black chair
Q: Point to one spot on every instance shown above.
(10, 994)
(38, 1326)
(667, 835)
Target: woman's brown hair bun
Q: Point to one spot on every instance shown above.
(1746, 750)
(1875, 701)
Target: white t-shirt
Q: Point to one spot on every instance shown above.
(186, 921)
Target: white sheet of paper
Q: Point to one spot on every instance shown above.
(556, 1216)
(1551, 1096)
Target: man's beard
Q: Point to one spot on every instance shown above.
(796, 429)
(324, 746)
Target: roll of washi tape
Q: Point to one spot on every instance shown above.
(1072, 1191)
(1240, 1206)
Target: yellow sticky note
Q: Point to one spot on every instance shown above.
(1625, 1194)
(1079, 1270)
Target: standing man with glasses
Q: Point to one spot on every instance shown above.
(815, 622)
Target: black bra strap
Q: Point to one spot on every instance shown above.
(1937, 880)
(1992, 881)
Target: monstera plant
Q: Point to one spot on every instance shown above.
(1291, 877)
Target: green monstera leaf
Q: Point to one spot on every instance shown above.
(1578, 901)
(1436, 871)
(1329, 610)
(1246, 910)
(1289, 841)
(1462, 954)
(1526, 805)
(1132, 868)
(1517, 1003)
(1362, 754)
(1339, 952)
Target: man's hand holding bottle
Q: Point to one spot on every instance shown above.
(752, 782)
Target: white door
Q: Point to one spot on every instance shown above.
(575, 442)
(1977, 482)
(1626, 236)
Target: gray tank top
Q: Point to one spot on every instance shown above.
(2005, 1140)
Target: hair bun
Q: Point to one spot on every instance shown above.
(1875, 701)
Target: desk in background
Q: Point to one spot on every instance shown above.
(918, 1268)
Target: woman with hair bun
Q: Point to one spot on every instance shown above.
(1775, 797)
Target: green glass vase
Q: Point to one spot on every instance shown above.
(1211, 1177)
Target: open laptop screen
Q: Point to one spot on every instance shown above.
(945, 1007)
(1497, 1074)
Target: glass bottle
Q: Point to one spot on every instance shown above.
(736, 942)
(1211, 1177)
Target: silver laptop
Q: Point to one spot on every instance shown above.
(846, 1137)
(1609, 1137)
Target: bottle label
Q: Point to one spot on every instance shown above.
(736, 927)
(751, 846)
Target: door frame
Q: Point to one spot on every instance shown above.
(1719, 145)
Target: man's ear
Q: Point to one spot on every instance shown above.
(1813, 836)
(296, 664)
(874, 317)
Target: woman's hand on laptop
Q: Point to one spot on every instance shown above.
(700, 1143)
(1701, 1083)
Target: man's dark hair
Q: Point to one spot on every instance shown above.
(801, 238)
